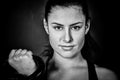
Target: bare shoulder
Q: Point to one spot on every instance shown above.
(105, 74)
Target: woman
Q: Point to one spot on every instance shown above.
(66, 22)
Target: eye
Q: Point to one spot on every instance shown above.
(76, 28)
(59, 28)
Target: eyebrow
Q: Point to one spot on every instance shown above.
(57, 24)
(70, 24)
(76, 23)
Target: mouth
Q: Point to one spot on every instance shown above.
(67, 48)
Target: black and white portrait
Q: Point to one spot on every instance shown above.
(59, 40)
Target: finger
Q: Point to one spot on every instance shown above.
(23, 51)
(16, 58)
(12, 53)
(29, 54)
(18, 51)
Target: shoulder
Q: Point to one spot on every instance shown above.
(105, 74)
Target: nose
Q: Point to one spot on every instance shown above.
(68, 37)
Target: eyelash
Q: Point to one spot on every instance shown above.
(59, 28)
(76, 28)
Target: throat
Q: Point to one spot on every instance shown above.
(69, 74)
(67, 63)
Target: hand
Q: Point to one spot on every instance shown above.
(22, 61)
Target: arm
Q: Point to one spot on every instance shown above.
(22, 61)
(25, 65)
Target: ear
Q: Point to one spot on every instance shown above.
(45, 26)
(87, 27)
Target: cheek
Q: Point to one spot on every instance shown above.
(81, 42)
(54, 39)
(79, 39)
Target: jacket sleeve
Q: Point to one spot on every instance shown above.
(9, 73)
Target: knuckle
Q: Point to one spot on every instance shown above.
(18, 53)
(23, 51)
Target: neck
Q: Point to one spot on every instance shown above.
(66, 63)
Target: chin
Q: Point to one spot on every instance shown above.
(67, 54)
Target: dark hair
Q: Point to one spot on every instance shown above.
(66, 3)
(91, 50)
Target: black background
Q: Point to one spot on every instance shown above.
(21, 23)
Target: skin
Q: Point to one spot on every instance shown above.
(67, 26)
(22, 61)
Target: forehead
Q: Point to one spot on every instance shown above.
(66, 14)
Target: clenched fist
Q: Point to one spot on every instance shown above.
(22, 61)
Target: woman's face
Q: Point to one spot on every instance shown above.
(66, 29)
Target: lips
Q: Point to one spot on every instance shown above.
(67, 48)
